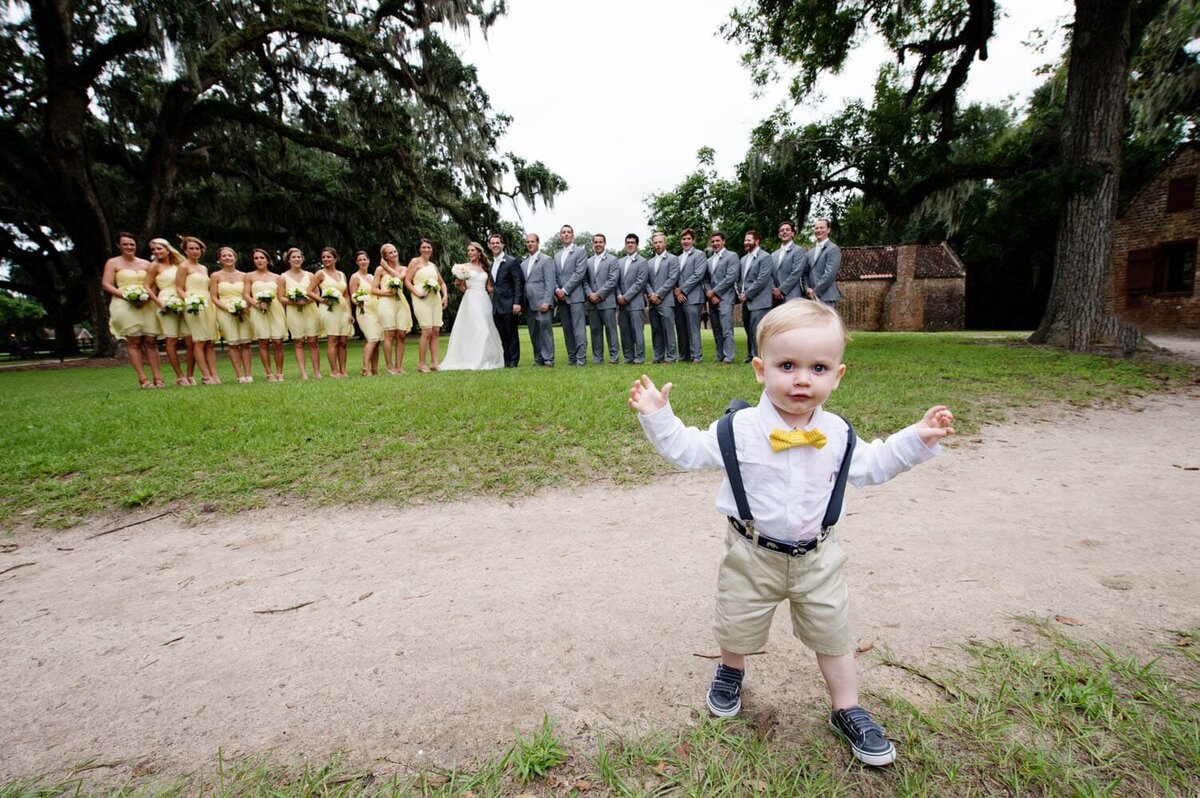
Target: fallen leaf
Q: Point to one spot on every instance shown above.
(1068, 620)
(141, 769)
(434, 780)
(1183, 641)
(660, 768)
(683, 750)
(583, 785)
(863, 648)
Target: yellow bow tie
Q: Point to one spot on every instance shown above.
(785, 439)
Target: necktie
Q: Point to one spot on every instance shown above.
(654, 271)
(785, 439)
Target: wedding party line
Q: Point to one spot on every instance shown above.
(174, 297)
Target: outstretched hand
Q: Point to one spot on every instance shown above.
(936, 425)
(645, 398)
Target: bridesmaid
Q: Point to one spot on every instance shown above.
(170, 308)
(134, 320)
(302, 320)
(328, 289)
(227, 288)
(366, 312)
(394, 315)
(268, 324)
(425, 283)
(191, 283)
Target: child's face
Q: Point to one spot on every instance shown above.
(799, 369)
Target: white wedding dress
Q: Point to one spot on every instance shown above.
(474, 342)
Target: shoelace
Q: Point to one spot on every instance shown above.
(861, 722)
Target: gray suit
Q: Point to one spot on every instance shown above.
(820, 271)
(788, 268)
(601, 278)
(539, 290)
(631, 317)
(569, 272)
(693, 276)
(662, 316)
(723, 273)
(757, 281)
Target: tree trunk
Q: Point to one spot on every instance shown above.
(1079, 315)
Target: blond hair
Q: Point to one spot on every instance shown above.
(800, 314)
(174, 256)
(184, 240)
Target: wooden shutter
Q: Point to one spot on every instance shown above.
(1139, 271)
(1181, 193)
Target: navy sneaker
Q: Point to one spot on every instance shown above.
(725, 692)
(868, 741)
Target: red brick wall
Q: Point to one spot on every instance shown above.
(1144, 224)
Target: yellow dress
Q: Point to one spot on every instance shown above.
(126, 319)
(234, 329)
(202, 323)
(270, 323)
(393, 311)
(428, 310)
(335, 320)
(368, 315)
(171, 324)
(302, 320)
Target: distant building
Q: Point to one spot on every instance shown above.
(1154, 248)
(910, 287)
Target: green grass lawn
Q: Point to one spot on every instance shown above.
(85, 440)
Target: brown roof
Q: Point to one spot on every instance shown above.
(879, 263)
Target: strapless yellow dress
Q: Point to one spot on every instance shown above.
(428, 310)
(302, 320)
(235, 329)
(171, 324)
(367, 316)
(203, 323)
(125, 319)
(393, 311)
(270, 323)
(335, 320)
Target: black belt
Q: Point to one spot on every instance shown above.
(790, 549)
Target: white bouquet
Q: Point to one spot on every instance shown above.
(196, 303)
(172, 304)
(135, 294)
(461, 271)
(430, 285)
(360, 296)
(331, 295)
(297, 295)
(393, 284)
(237, 306)
(265, 298)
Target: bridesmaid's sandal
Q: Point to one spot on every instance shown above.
(435, 367)
(144, 383)
(423, 368)
(181, 381)
(158, 383)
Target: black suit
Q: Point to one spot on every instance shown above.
(508, 289)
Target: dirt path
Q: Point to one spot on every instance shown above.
(428, 634)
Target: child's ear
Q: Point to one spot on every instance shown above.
(841, 370)
(759, 372)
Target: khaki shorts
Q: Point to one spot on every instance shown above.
(752, 581)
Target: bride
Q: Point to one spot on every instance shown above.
(474, 342)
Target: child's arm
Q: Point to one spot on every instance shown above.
(879, 461)
(685, 447)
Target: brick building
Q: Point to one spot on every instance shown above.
(909, 287)
(1154, 249)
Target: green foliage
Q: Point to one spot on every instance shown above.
(533, 757)
(19, 317)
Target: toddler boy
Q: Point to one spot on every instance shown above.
(789, 453)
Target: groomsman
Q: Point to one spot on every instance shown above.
(660, 294)
(821, 266)
(602, 272)
(689, 297)
(538, 270)
(508, 292)
(755, 292)
(631, 302)
(789, 261)
(569, 271)
(722, 273)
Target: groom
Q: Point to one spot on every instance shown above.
(508, 289)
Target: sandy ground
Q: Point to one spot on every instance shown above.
(430, 634)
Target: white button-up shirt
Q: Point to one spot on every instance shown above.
(787, 491)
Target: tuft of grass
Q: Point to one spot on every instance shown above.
(533, 757)
(86, 440)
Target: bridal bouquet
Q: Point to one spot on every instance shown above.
(461, 271)
(135, 294)
(297, 295)
(264, 298)
(331, 295)
(430, 285)
(237, 306)
(195, 303)
(360, 296)
(393, 284)
(171, 304)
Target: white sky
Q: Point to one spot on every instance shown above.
(617, 97)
